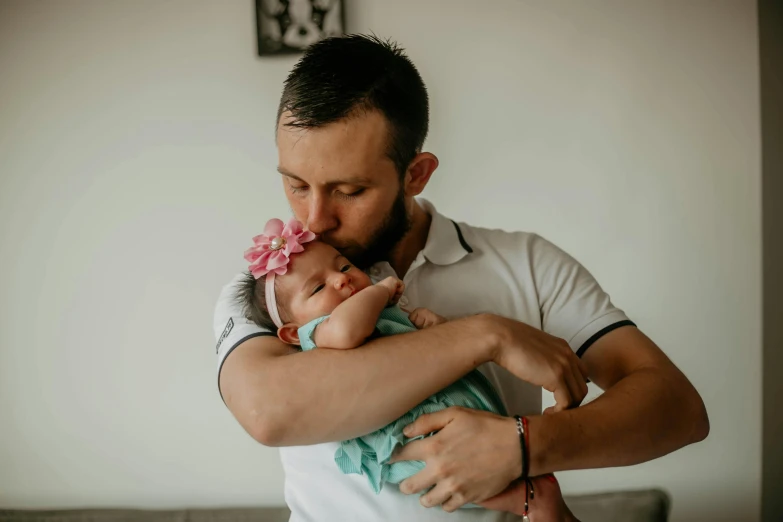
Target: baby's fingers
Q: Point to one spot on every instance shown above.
(418, 318)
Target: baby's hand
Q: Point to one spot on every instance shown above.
(424, 318)
(546, 505)
(395, 288)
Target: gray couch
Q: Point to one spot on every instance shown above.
(630, 506)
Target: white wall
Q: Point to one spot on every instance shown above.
(137, 158)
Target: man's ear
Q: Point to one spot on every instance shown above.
(289, 334)
(419, 172)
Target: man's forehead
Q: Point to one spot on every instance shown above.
(350, 151)
(361, 136)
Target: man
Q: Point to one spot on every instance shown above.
(351, 125)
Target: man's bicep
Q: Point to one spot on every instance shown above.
(573, 305)
(242, 377)
(621, 352)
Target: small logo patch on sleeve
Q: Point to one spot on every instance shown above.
(226, 331)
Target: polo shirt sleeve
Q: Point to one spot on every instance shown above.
(574, 307)
(230, 326)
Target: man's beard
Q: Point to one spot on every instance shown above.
(384, 239)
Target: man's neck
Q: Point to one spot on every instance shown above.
(403, 255)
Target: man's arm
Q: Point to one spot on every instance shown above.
(285, 398)
(649, 409)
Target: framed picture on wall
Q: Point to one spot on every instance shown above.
(289, 26)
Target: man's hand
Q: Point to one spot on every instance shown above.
(540, 359)
(424, 318)
(473, 457)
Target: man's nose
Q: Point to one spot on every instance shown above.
(321, 218)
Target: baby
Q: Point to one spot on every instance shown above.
(318, 299)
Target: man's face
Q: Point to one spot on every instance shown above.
(342, 185)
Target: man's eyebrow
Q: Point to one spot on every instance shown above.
(287, 174)
(351, 180)
(354, 180)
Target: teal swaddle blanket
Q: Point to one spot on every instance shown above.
(369, 455)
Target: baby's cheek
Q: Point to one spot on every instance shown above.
(364, 280)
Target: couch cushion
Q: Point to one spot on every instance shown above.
(627, 506)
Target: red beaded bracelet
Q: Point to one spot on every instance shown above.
(527, 445)
(527, 469)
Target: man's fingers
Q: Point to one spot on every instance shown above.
(429, 423)
(453, 503)
(415, 450)
(570, 388)
(580, 379)
(573, 379)
(583, 368)
(436, 496)
(424, 425)
(421, 481)
(562, 397)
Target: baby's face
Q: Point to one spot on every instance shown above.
(318, 280)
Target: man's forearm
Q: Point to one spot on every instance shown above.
(328, 395)
(648, 414)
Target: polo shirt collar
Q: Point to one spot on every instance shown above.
(445, 242)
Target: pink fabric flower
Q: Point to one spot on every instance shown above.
(271, 251)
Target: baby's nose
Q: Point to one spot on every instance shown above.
(341, 280)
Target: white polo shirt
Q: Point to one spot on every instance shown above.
(461, 271)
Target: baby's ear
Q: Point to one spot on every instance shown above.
(289, 334)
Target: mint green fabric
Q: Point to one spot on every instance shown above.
(391, 321)
(369, 455)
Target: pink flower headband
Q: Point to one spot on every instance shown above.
(271, 253)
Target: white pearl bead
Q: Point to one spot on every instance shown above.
(277, 243)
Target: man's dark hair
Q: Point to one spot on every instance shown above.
(340, 76)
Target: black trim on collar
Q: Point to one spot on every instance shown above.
(462, 241)
(242, 340)
(588, 343)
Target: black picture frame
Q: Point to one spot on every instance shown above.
(290, 26)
